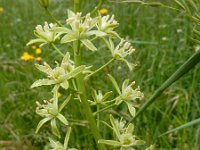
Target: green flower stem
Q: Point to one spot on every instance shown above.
(111, 60)
(57, 50)
(186, 67)
(98, 6)
(108, 107)
(81, 88)
(77, 5)
(98, 117)
(52, 17)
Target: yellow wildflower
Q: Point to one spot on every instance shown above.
(33, 47)
(38, 51)
(38, 59)
(1, 9)
(26, 56)
(103, 11)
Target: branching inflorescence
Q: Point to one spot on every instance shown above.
(81, 32)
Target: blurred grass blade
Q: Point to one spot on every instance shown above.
(196, 41)
(196, 32)
(180, 4)
(133, 1)
(191, 123)
(186, 67)
(193, 5)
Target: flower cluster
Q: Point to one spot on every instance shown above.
(125, 138)
(127, 95)
(50, 111)
(122, 50)
(107, 24)
(99, 98)
(45, 34)
(60, 75)
(69, 75)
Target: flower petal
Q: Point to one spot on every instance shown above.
(62, 119)
(55, 128)
(109, 142)
(41, 123)
(35, 41)
(42, 82)
(68, 38)
(89, 44)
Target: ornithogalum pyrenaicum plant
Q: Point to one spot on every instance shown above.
(79, 34)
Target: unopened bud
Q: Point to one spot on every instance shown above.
(44, 3)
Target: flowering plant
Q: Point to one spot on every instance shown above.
(81, 32)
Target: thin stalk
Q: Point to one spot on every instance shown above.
(52, 17)
(110, 101)
(98, 117)
(81, 88)
(77, 5)
(57, 50)
(106, 64)
(186, 67)
(188, 124)
(98, 6)
(108, 107)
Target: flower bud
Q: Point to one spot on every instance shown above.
(44, 3)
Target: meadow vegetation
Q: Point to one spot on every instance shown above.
(162, 39)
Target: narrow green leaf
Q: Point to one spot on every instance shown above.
(42, 82)
(109, 142)
(41, 123)
(89, 44)
(188, 124)
(114, 83)
(186, 67)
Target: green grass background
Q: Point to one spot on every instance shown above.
(162, 41)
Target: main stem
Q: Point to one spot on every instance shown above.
(81, 88)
